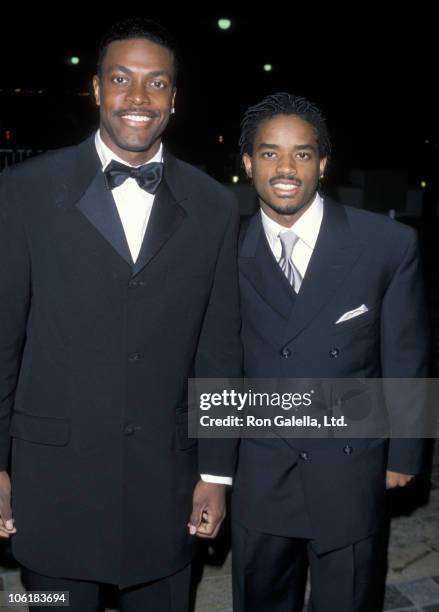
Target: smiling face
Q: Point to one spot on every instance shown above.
(285, 167)
(135, 94)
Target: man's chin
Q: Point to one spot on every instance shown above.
(136, 147)
(288, 208)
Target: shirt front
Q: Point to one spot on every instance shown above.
(133, 203)
(306, 228)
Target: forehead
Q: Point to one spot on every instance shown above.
(285, 130)
(138, 53)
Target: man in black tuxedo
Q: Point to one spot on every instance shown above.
(332, 292)
(118, 281)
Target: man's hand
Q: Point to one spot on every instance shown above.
(208, 509)
(6, 521)
(395, 479)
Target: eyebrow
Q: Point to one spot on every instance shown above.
(302, 147)
(153, 73)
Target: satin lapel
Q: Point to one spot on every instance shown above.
(98, 205)
(258, 265)
(166, 215)
(333, 257)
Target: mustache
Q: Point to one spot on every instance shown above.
(282, 177)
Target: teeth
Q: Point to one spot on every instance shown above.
(138, 118)
(285, 187)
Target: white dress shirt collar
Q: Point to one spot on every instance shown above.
(106, 155)
(307, 227)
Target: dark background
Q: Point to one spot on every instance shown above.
(374, 77)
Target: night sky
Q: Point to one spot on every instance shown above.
(374, 78)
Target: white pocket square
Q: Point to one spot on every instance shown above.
(352, 313)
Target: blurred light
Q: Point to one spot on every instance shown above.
(427, 141)
(221, 139)
(83, 93)
(17, 90)
(423, 184)
(73, 61)
(8, 135)
(268, 67)
(224, 24)
(235, 179)
(40, 91)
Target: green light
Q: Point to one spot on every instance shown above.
(224, 24)
(268, 67)
(73, 61)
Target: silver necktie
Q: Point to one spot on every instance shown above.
(288, 239)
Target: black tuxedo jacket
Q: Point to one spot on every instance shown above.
(330, 490)
(95, 352)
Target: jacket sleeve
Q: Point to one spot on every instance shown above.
(14, 306)
(219, 353)
(405, 354)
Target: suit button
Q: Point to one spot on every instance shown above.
(134, 357)
(129, 430)
(133, 284)
(304, 455)
(348, 449)
(285, 352)
(334, 353)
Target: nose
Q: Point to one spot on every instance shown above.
(286, 165)
(137, 94)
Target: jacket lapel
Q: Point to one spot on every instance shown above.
(166, 215)
(258, 265)
(94, 200)
(96, 203)
(333, 257)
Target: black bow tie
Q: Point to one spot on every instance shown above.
(148, 176)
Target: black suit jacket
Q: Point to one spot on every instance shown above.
(95, 353)
(330, 490)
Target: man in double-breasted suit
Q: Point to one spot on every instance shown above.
(118, 281)
(332, 292)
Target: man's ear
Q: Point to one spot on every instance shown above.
(97, 90)
(247, 161)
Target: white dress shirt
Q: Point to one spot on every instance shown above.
(306, 228)
(133, 203)
(134, 206)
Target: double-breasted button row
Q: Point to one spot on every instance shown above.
(348, 450)
(286, 352)
(134, 284)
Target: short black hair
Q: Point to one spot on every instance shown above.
(284, 104)
(137, 27)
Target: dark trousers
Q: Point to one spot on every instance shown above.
(170, 594)
(269, 574)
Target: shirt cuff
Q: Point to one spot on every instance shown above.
(227, 480)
